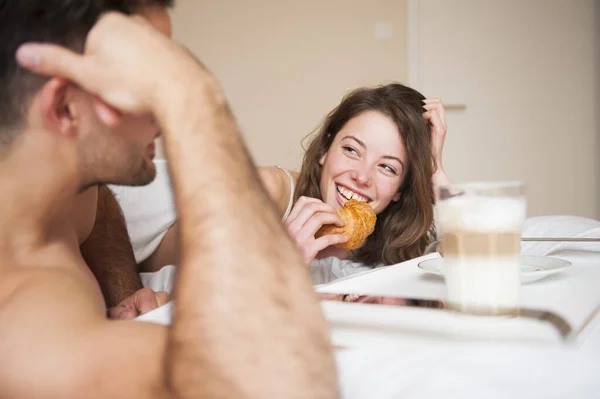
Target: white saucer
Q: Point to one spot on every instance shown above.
(533, 268)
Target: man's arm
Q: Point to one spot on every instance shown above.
(259, 315)
(108, 252)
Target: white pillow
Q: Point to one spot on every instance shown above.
(149, 211)
(562, 227)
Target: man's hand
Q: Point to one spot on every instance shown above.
(137, 304)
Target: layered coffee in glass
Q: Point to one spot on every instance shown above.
(480, 226)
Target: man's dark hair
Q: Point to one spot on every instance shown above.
(136, 4)
(63, 22)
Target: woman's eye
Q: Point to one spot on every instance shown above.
(350, 150)
(389, 169)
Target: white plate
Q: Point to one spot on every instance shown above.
(533, 268)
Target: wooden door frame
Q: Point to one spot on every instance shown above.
(412, 12)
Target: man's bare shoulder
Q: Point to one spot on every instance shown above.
(53, 330)
(20, 285)
(83, 213)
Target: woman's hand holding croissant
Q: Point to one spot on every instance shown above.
(307, 216)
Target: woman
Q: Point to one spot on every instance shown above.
(383, 146)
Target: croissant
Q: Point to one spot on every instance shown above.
(359, 222)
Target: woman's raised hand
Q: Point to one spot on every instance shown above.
(436, 115)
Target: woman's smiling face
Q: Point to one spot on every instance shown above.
(367, 161)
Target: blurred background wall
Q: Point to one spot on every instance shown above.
(285, 64)
(520, 79)
(525, 71)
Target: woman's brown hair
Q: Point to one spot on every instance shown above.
(404, 228)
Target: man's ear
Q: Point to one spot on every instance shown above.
(397, 196)
(58, 111)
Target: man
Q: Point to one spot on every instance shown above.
(105, 245)
(256, 333)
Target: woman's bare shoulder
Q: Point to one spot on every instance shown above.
(278, 185)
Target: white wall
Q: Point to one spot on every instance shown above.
(532, 109)
(285, 64)
(526, 72)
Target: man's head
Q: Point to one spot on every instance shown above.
(120, 154)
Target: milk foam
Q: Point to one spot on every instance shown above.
(481, 213)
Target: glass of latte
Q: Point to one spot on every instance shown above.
(480, 226)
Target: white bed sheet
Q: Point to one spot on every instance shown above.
(467, 368)
(452, 368)
(462, 370)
